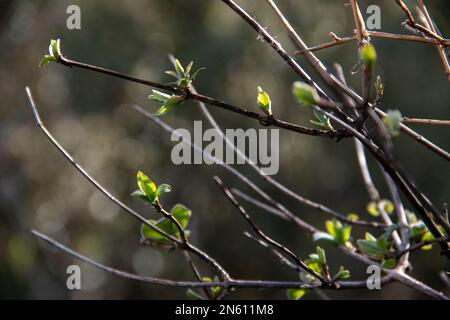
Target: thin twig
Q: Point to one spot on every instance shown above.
(374, 34)
(445, 278)
(404, 37)
(196, 272)
(412, 23)
(426, 121)
(361, 30)
(335, 42)
(440, 47)
(374, 195)
(401, 221)
(259, 232)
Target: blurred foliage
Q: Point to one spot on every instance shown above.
(91, 115)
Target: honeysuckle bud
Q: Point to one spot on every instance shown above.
(392, 122)
(54, 51)
(305, 93)
(264, 102)
(368, 55)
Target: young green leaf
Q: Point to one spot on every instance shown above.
(380, 87)
(179, 68)
(393, 121)
(147, 187)
(181, 214)
(372, 209)
(323, 120)
(183, 75)
(164, 225)
(45, 60)
(323, 236)
(340, 233)
(149, 233)
(331, 226)
(342, 273)
(321, 255)
(368, 55)
(264, 102)
(159, 96)
(192, 295)
(189, 67)
(163, 188)
(172, 73)
(388, 263)
(427, 236)
(196, 73)
(54, 51)
(369, 236)
(384, 240)
(295, 294)
(371, 248)
(305, 93)
(167, 101)
(138, 194)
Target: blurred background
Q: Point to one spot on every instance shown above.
(91, 115)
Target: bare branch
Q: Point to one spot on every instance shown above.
(426, 121)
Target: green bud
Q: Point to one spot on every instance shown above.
(368, 55)
(264, 102)
(392, 122)
(305, 93)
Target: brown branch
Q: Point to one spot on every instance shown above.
(426, 121)
(263, 119)
(384, 35)
(361, 30)
(441, 49)
(413, 24)
(374, 34)
(337, 41)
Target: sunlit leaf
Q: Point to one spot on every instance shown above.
(368, 55)
(305, 93)
(264, 102)
(147, 187)
(393, 121)
(296, 294)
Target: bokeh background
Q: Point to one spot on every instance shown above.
(91, 115)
